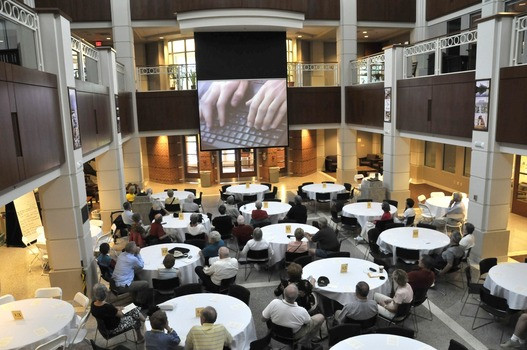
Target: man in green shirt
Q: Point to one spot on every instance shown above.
(208, 336)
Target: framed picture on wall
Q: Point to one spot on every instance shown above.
(75, 130)
(388, 105)
(481, 105)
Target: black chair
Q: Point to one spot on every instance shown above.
(268, 185)
(291, 257)
(200, 243)
(191, 190)
(341, 332)
(322, 198)
(269, 196)
(282, 334)
(199, 199)
(328, 182)
(343, 197)
(339, 255)
(224, 196)
(364, 324)
(391, 225)
(430, 226)
(259, 257)
(493, 305)
(392, 202)
(250, 198)
(314, 223)
(186, 289)
(335, 218)
(224, 187)
(382, 225)
(454, 345)
(373, 248)
(306, 183)
(472, 289)
(105, 273)
(173, 208)
(402, 313)
(420, 296)
(485, 265)
(348, 186)
(226, 283)
(173, 189)
(107, 335)
(408, 256)
(240, 293)
(349, 224)
(303, 260)
(273, 200)
(164, 289)
(261, 344)
(410, 220)
(400, 331)
(364, 200)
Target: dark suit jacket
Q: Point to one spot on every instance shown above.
(223, 224)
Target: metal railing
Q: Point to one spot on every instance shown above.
(85, 60)
(367, 70)
(183, 76)
(441, 55)
(519, 41)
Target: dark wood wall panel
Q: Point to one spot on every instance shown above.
(86, 121)
(126, 113)
(442, 105)
(386, 10)
(8, 156)
(365, 104)
(167, 110)
(438, 8)
(80, 10)
(512, 104)
(166, 9)
(313, 105)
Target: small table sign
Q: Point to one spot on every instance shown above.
(344, 268)
(265, 205)
(368, 205)
(324, 185)
(287, 228)
(164, 251)
(415, 233)
(198, 311)
(17, 315)
(247, 185)
(181, 216)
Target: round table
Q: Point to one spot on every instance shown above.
(275, 210)
(95, 231)
(507, 281)
(238, 191)
(177, 228)
(381, 341)
(427, 241)
(313, 189)
(342, 285)
(154, 260)
(181, 195)
(439, 205)
(277, 237)
(44, 319)
(232, 313)
(365, 214)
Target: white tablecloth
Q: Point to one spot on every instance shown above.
(177, 228)
(238, 191)
(365, 214)
(95, 232)
(380, 341)
(181, 195)
(428, 241)
(232, 313)
(439, 205)
(342, 285)
(44, 319)
(509, 281)
(154, 260)
(313, 189)
(277, 237)
(275, 210)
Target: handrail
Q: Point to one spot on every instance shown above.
(369, 69)
(19, 14)
(519, 36)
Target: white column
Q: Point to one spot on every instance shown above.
(489, 191)
(346, 52)
(396, 148)
(123, 38)
(321, 149)
(419, 33)
(68, 238)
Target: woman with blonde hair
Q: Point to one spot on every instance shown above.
(403, 295)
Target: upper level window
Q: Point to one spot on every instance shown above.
(430, 154)
(468, 160)
(289, 46)
(17, 44)
(449, 158)
(181, 55)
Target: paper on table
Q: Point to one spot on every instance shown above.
(41, 331)
(128, 308)
(5, 341)
(167, 306)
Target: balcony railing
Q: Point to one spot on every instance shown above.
(442, 55)
(85, 60)
(519, 41)
(368, 69)
(183, 76)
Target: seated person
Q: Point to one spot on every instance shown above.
(518, 339)
(215, 242)
(137, 231)
(297, 213)
(223, 222)
(130, 193)
(258, 215)
(424, 277)
(455, 212)
(112, 317)
(128, 263)
(232, 209)
(305, 297)
(223, 268)
(208, 335)
(157, 338)
(127, 214)
(257, 243)
(445, 261)
(408, 212)
(189, 206)
(468, 241)
(326, 239)
(287, 313)
(195, 228)
(123, 221)
(169, 271)
(386, 215)
(157, 234)
(157, 208)
(106, 261)
(359, 309)
(171, 202)
(297, 246)
(242, 232)
(404, 294)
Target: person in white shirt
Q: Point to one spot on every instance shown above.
(286, 312)
(127, 214)
(468, 240)
(195, 228)
(257, 243)
(408, 212)
(455, 213)
(223, 268)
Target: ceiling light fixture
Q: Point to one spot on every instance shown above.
(365, 32)
(299, 36)
(366, 36)
(161, 37)
(108, 38)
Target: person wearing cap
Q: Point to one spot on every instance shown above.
(445, 261)
(359, 309)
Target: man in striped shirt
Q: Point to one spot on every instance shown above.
(208, 336)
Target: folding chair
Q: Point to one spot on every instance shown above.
(51, 292)
(60, 341)
(259, 257)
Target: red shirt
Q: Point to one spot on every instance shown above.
(156, 230)
(421, 278)
(243, 233)
(259, 214)
(386, 216)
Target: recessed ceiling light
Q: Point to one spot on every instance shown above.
(299, 36)
(161, 37)
(522, 4)
(366, 36)
(108, 38)
(365, 32)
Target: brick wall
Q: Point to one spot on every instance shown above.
(302, 152)
(164, 159)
